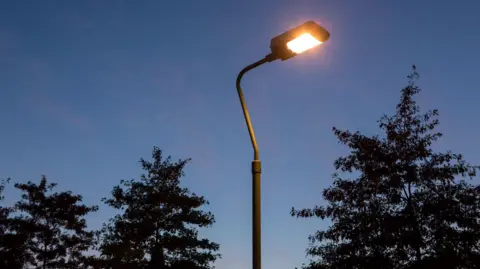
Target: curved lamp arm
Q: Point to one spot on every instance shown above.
(267, 59)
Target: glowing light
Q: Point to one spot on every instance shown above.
(303, 43)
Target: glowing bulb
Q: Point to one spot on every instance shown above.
(303, 43)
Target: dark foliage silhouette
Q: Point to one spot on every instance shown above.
(395, 202)
(11, 245)
(157, 226)
(48, 229)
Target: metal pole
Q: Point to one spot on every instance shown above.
(256, 215)
(256, 172)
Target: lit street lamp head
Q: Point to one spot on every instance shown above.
(298, 40)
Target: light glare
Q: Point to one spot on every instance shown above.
(303, 43)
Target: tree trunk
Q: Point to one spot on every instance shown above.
(157, 258)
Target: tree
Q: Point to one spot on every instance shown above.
(54, 225)
(4, 216)
(158, 226)
(12, 245)
(4, 211)
(409, 207)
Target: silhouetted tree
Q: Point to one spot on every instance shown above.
(158, 225)
(4, 210)
(4, 217)
(54, 226)
(12, 244)
(406, 206)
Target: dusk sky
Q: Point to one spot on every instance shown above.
(87, 88)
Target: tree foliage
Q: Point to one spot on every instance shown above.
(409, 206)
(4, 214)
(48, 229)
(159, 220)
(11, 244)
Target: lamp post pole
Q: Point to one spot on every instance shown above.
(256, 171)
(283, 47)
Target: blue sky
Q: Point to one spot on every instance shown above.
(88, 87)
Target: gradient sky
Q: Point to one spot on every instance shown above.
(88, 87)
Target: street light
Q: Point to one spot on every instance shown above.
(283, 47)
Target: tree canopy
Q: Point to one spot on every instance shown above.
(157, 225)
(395, 202)
(159, 221)
(46, 229)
